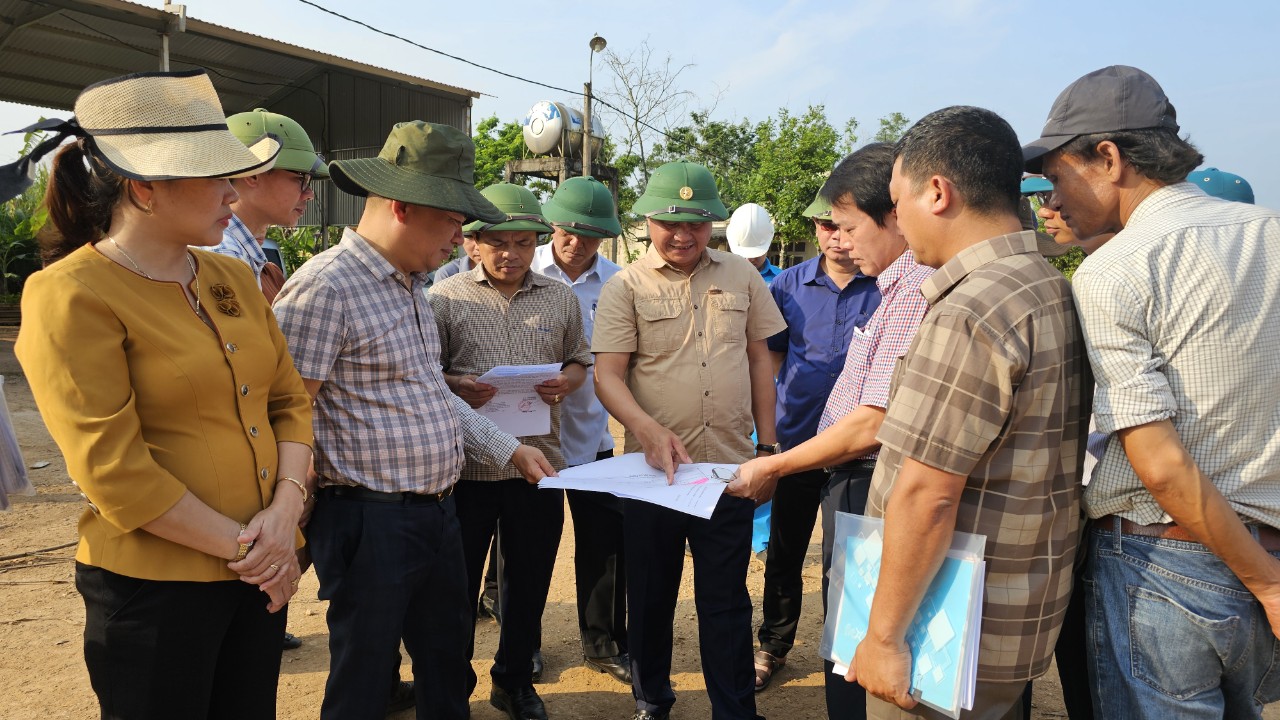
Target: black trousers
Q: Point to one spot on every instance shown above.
(1071, 650)
(600, 570)
(795, 510)
(392, 571)
(164, 649)
(530, 521)
(846, 491)
(721, 546)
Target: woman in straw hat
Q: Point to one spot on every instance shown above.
(162, 376)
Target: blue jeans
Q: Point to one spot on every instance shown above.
(1173, 633)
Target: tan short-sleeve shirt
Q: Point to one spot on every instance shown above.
(687, 336)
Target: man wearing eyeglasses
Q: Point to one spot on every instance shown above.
(823, 300)
(278, 196)
(681, 362)
(503, 313)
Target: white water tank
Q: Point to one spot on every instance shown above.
(552, 128)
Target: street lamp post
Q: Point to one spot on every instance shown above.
(597, 44)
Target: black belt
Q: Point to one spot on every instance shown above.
(352, 492)
(851, 466)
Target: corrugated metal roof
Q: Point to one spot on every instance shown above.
(51, 49)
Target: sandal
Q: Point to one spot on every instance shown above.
(766, 666)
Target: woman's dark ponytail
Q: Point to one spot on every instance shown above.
(81, 197)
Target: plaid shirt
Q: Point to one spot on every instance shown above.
(238, 242)
(875, 349)
(480, 328)
(994, 388)
(1182, 316)
(384, 418)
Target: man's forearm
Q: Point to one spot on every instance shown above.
(1170, 474)
(763, 392)
(850, 437)
(919, 521)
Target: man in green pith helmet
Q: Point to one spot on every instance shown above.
(679, 335)
(503, 313)
(278, 196)
(582, 213)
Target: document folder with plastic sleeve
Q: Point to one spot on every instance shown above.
(944, 634)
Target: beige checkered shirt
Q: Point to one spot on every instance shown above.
(481, 329)
(993, 387)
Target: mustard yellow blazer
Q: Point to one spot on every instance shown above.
(147, 403)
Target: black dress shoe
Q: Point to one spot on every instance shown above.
(519, 704)
(619, 666)
(402, 697)
(292, 642)
(538, 665)
(646, 715)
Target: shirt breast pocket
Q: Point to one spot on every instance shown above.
(659, 325)
(729, 310)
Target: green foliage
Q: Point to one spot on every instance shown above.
(298, 245)
(1068, 263)
(20, 222)
(495, 145)
(793, 155)
(892, 126)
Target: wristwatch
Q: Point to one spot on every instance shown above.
(773, 449)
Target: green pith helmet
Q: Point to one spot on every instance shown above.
(681, 192)
(819, 209)
(583, 206)
(523, 210)
(296, 151)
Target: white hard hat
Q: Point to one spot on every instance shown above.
(750, 231)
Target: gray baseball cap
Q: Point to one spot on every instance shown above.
(1114, 98)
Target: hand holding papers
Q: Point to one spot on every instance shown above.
(516, 408)
(944, 634)
(695, 491)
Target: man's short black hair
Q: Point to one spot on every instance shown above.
(862, 178)
(1156, 153)
(974, 148)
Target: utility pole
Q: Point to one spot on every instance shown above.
(177, 23)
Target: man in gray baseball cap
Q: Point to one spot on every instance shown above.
(1183, 329)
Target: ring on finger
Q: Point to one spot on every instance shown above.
(274, 568)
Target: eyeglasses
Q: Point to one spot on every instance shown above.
(826, 225)
(304, 180)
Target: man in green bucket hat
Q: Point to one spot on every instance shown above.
(583, 215)
(278, 196)
(389, 437)
(503, 313)
(679, 335)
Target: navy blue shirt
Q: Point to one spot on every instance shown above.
(820, 321)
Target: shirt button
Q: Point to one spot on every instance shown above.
(253, 430)
(695, 307)
(839, 321)
(708, 423)
(706, 393)
(244, 389)
(833, 374)
(263, 473)
(704, 364)
(231, 347)
(699, 333)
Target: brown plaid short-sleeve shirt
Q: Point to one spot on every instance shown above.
(993, 387)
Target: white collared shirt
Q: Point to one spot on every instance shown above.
(584, 424)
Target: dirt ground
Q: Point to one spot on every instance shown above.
(42, 671)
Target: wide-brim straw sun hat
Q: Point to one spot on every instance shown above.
(167, 126)
(422, 163)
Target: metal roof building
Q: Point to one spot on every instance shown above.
(51, 49)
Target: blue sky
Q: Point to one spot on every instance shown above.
(863, 59)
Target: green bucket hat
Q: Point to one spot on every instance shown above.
(583, 206)
(819, 209)
(681, 192)
(422, 163)
(296, 151)
(521, 207)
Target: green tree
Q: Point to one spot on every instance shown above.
(792, 156)
(21, 220)
(496, 143)
(892, 126)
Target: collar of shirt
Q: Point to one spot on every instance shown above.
(531, 278)
(238, 233)
(769, 271)
(1162, 198)
(544, 262)
(897, 270)
(654, 261)
(974, 257)
(378, 266)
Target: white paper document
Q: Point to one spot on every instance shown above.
(516, 408)
(696, 489)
